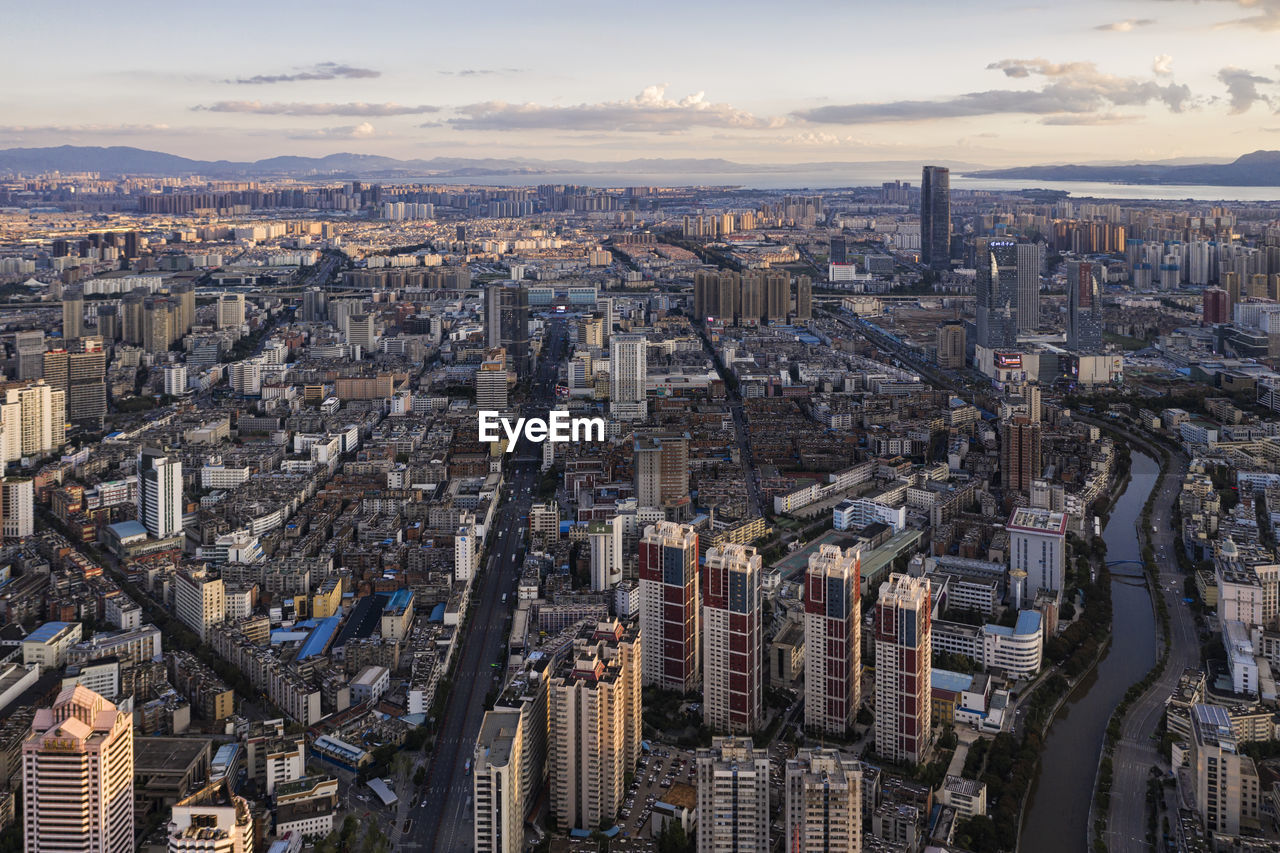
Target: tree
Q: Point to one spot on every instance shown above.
(420, 776)
(673, 839)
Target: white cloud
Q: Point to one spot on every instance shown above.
(303, 109)
(1125, 26)
(1162, 66)
(1242, 88)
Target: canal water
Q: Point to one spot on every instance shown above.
(1057, 816)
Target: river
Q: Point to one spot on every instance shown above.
(1057, 816)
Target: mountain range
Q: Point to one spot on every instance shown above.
(1258, 169)
(137, 161)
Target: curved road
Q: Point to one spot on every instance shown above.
(1137, 750)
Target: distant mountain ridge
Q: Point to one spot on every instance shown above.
(1256, 169)
(137, 161)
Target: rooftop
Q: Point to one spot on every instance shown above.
(48, 631)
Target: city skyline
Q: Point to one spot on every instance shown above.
(1128, 81)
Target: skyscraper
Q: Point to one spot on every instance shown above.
(491, 381)
(1038, 546)
(950, 345)
(804, 298)
(212, 820)
(1227, 790)
(499, 809)
(823, 803)
(595, 725)
(33, 420)
(1020, 441)
(18, 512)
(77, 776)
(669, 599)
(1084, 307)
(832, 640)
(1028, 286)
(506, 321)
(733, 797)
(904, 651)
(997, 294)
(661, 462)
(1217, 306)
(72, 314)
(935, 217)
(628, 376)
(732, 676)
(159, 493)
(777, 296)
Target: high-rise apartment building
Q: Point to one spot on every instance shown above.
(1217, 306)
(212, 820)
(997, 294)
(1084, 307)
(28, 349)
(804, 298)
(18, 509)
(628, 376)
(904, 663)
(159, 493)
(230, 310)
(832, 639)
(498, 807)
(951, 346)
(823, 812)
(605, 541)
(777, 296)
(1020, 445)
(33, 419)
(661, 463)
(199, 600)
(732, 672)
(1227, 789)
(77, 777)
(183, 294)
(669, 600)
(362, 331)
(935, 217)
(86, 383)
(491, 381)
(595, 718)
(733, 797)
(591, 333)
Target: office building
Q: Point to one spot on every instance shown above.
(604, 538)
(832, 640)
(997, 294)
(628, 376)
(28, 348)
(733, 797)
(804, 299)
(1227, 790)
(507, 324)
(1038, 546)
(159, 493)
(661, 463)
(823, 811)
(212, 820)
(595, 719)
(1084, 306)
(18, 508)
(199, 600)
(86, 384)
(935, 218)
(491, 382)
(496, 790)
(951, 346)
(362, 331)
(669, 599)
(1028, 297)
(230, 310)
(904, 652)
(77, 776)
(732, 674)
(1217, 306)
(1020, 444)
(72, 314)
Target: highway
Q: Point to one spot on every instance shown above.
(1136, 750)
(442, 814)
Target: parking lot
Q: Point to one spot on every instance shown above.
(662, 768)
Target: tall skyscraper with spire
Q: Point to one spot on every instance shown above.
(935, 217)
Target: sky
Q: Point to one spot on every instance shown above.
(994, 83)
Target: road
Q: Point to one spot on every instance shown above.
(742, 436)
(1136, 750)
(442, 816)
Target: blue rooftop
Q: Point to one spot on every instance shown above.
(126, 529)
(319, 638)
(400, 599)
(1028, 622)
(47, 632)
(437, 613)
(945, 679)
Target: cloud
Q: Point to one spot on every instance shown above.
(105, 129)
(363, 130)
(1068, 88)
(651, 111)
(1088, 119)
(481, 72)
(1242, 88)
(320, 71)
(1267, 17)
(1125, 26)
(1162, 66)
(301, 109)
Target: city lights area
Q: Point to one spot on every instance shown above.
(451, 450)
